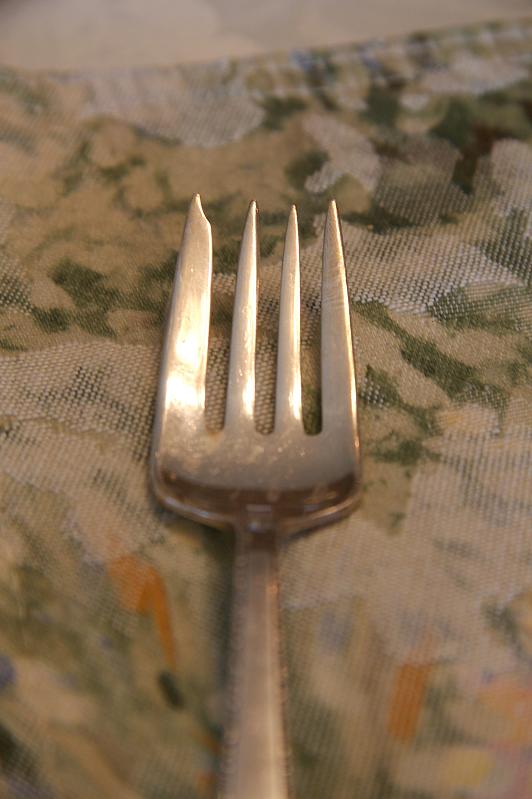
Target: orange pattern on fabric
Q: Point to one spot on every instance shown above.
(141, 590)
(408, 696)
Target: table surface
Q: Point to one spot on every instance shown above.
(66, 34)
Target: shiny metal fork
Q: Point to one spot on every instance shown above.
(265, 487)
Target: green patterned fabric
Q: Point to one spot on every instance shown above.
(408, 628)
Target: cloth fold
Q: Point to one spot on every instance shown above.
(408, 627)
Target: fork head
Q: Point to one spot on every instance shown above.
(287, 481)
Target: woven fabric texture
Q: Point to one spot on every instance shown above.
(407, 628)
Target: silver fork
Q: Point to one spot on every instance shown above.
(265, 487)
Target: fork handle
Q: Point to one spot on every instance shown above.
(254, 742)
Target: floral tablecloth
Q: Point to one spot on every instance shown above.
(407, 628)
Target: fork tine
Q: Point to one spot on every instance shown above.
(288, 394)
(337, 365)
(241, 385)
(186, 344)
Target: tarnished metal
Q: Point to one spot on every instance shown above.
(265, 487)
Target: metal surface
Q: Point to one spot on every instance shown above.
(264, 487)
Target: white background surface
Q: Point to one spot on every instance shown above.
(65, 34)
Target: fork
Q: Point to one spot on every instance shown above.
(266, 488)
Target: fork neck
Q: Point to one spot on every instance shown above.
(257, 533)
(257, 522)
